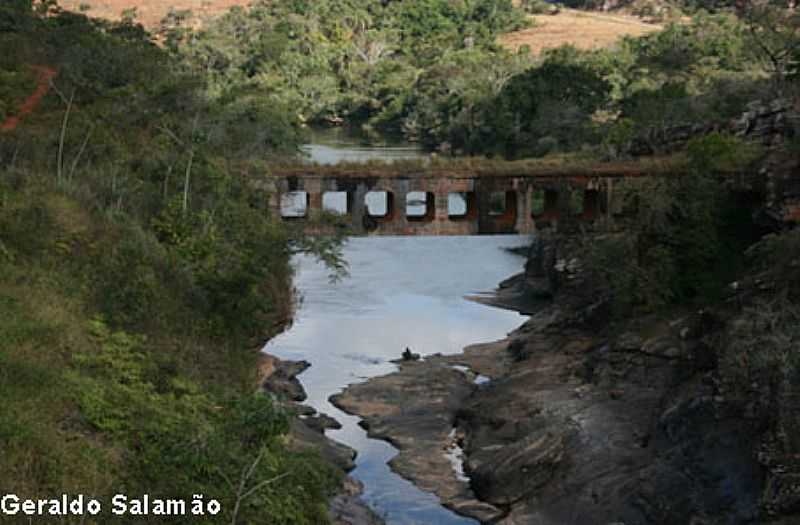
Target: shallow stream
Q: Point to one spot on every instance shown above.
(401, 292)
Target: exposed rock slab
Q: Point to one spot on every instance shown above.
(347, 508)
(279, 377)
(415, 409)
(304, 438)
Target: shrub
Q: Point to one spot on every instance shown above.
(678, 243)
(762, 350)
(538, 7)
(233, 452)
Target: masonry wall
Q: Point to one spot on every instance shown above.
(518, 216)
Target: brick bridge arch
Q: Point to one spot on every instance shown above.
(504, 197)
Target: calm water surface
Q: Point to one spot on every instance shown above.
(401, 292)
(335, 145)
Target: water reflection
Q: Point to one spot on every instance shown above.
(294, 204)
(416, 203)
(335, 202)
(402, 292)
(377, 203)
(335, 145)
(457, 204)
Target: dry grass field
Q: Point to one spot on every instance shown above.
(582, 29)
(151, 12)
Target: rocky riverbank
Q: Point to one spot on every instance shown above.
(416, 409)
(279, 378)
(586, 421)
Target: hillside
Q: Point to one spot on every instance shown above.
(582, 29)
(129, 306)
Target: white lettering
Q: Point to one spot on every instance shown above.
(28, 507)
(119, 504)
(176, 507)
(197, 505)
(75, 506)
(9, 504)
(65, 505)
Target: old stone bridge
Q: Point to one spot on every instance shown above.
(451, 198)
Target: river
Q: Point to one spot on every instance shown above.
(337, 145)
(401, 292)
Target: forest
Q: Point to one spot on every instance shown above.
(433, 71)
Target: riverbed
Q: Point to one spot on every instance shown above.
(402, 292)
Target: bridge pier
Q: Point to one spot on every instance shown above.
(525, 221)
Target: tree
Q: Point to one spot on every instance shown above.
(774, 30)
(555, 99)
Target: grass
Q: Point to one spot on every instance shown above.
(582, 29)
(43, 448)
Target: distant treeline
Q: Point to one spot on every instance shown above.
(433, 71)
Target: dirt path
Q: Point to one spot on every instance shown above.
(44, 75)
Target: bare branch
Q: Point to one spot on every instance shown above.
(64, 124)
(80, 152)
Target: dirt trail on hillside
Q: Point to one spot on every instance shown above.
(44, 75)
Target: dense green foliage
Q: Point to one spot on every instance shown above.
(682, 234)
(139, 268)
(703, 71)
(432, 70)
(362, 61)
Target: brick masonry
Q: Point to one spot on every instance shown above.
(559, 198)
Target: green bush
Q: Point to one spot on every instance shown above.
(683, 233)
(538, 7)
(233, 452)
(556, 100)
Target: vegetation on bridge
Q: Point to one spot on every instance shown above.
(552, 166)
